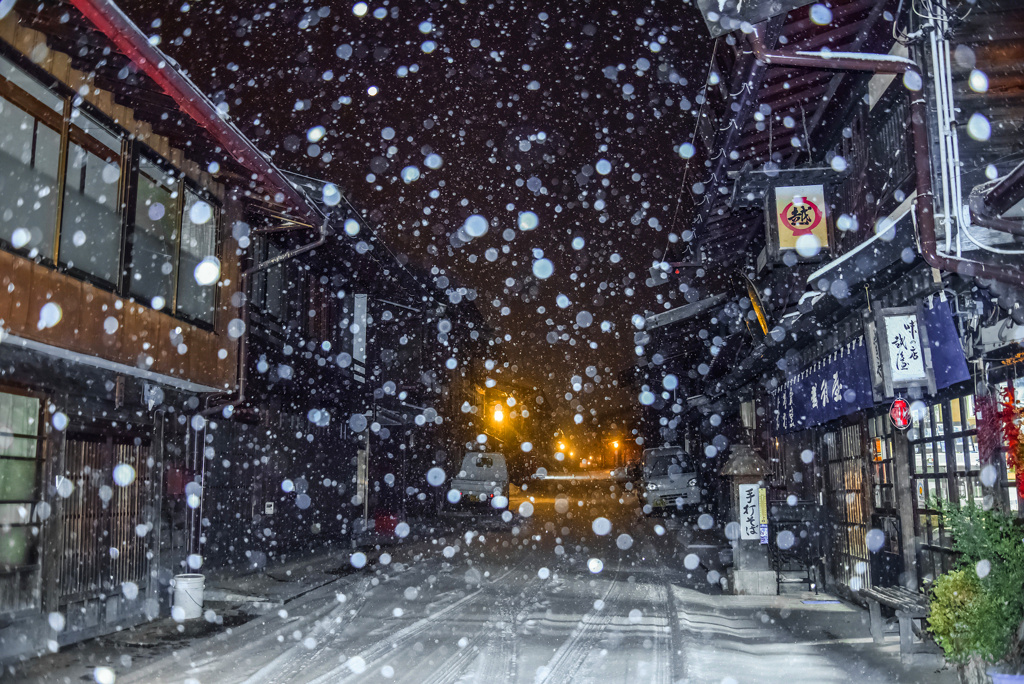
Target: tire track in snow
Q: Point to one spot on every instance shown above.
(382, 648)
(378, 651)
(567, 660)
(491, 650)
(257, 645)
(452, 668)
(497, 661)
(670, 645)
(652, 626)
(284, 665)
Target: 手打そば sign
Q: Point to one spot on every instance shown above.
(750, 511)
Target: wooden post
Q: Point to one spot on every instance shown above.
(52, 544)
(905, 502)
(876, 624)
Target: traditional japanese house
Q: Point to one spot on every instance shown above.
(123, 206)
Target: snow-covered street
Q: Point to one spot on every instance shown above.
(487, 601)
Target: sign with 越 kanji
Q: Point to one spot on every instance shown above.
(798, 222)
(801, 212)
(750, 511)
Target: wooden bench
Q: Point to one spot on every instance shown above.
(910, 607)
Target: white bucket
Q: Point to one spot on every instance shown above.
(188, 596)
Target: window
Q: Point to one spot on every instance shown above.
(944, 467)
(1011, 474)
(841, 450)
(90, 237)
(269, 285)
(19, 447)
(198, 242)
(882, 448)
(154, 240)
(172, 230)
(30, 140)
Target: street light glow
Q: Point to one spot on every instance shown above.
(499, 415)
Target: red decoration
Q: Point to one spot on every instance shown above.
(990, 427)
(1011, 416)
(899, 413)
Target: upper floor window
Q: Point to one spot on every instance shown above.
(64, 187)
(174, 232)
(30, 144)
(154, 239)
(90, 235)
(270, 284)
(196, 296)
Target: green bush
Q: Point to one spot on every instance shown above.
(977, 607)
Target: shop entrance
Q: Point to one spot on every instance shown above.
(842, 453)
(105, 490)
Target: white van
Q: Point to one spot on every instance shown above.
(669, 479)
(483, 477)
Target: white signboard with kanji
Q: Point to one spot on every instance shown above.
(906, 355)
(903, 357)
(750, 514)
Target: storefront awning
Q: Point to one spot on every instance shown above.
(835, 386)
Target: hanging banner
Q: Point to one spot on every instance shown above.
(948, 361)
(835, 386)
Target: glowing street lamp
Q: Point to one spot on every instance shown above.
(499, 415)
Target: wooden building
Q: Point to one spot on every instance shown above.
(123, 197)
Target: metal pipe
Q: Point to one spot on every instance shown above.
(295, 252)
(135, 45)
(1007, 192)
(924, 210)
(980, 215)
(282, 228)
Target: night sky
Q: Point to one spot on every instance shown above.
(574, 113)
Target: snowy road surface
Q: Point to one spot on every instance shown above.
(542, 599)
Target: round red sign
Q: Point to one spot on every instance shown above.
(899, 414)
(801, 216)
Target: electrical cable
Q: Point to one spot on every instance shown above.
(693, 138)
